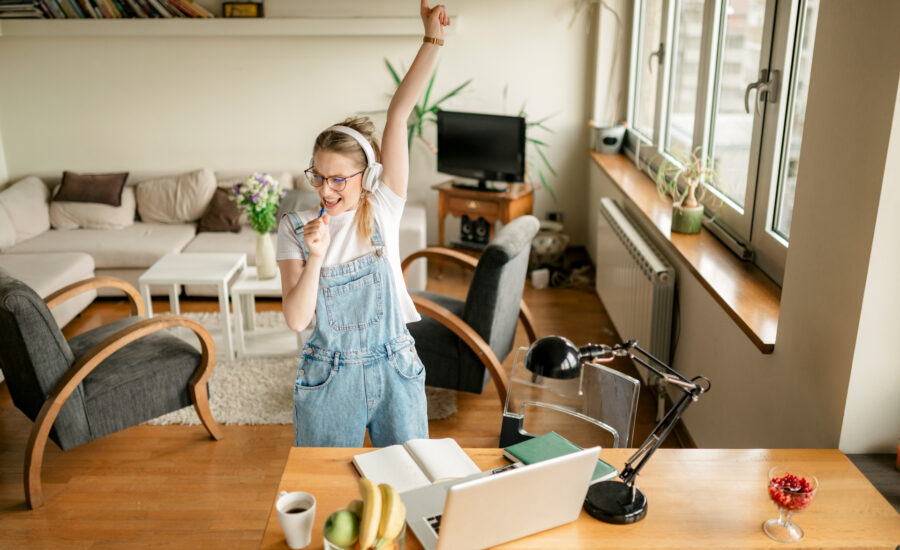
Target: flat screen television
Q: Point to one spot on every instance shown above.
(482, 147)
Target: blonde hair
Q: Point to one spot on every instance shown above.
(339, 142)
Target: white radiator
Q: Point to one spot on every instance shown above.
(635, 283)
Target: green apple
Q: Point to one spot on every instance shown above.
(342, 528)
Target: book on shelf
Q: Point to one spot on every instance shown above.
(552, 445)
(416, 463)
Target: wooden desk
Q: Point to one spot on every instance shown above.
(491, 206)
(696, 498)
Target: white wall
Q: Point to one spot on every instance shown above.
(873, 396)
(3, 171)
(123, 103)
(796, 396)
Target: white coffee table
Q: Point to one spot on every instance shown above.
(243, 294)
(174, 270)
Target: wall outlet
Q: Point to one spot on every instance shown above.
(555, 216)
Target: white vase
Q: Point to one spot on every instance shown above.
(265, 256)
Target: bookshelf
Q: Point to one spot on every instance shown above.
(298, 26)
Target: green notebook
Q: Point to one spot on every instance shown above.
(551, 445)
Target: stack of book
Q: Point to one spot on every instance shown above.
(20, 9)
(101, 9)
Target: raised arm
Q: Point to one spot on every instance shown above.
(394, 151)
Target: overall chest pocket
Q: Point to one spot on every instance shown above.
(355, 305)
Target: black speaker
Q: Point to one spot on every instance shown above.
(482, 231)
(467, 229)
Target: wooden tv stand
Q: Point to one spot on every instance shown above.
(490, 205)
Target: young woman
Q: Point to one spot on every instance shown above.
(340, 265)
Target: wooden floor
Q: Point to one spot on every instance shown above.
(172, 487)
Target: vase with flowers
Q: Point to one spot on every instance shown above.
(259, 196)
(687, 181)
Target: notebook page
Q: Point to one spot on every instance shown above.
(441, 459)
(391, 465)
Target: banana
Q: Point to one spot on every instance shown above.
(393, 515)
(371, 512)
(356, 507)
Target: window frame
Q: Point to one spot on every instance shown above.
(752, 228)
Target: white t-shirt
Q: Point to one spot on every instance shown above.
(346, 245)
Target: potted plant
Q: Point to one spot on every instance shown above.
(686, 181)
(259, 196)
(424, 112)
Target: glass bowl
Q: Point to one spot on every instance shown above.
(791, 490)
(398, 543)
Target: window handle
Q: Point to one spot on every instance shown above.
(658, 54)
(767, 89)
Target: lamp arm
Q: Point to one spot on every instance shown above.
(691, 388)
(654, 440)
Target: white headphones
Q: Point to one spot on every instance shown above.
(374, 169)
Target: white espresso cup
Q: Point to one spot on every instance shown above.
(296, 514)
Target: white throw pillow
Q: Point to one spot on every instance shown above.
(7, 230)
(93, 215)
(177, 199)
(25, 203)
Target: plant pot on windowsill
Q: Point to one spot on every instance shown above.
(608, 139)
(687, 219)
(686, 183)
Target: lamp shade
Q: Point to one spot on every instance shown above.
(554, 357)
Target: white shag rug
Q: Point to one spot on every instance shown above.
(259, 389)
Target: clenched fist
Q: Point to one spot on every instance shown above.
(317, 237)
(435, 19)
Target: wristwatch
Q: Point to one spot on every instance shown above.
(430, 40)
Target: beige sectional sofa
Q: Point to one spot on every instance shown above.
(48, 259)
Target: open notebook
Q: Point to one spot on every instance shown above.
(416, 463)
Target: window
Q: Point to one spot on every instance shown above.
(728, 79)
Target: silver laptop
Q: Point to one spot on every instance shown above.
(500, 505)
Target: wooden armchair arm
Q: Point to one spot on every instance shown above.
(34, 454)
(472, 339)
(74, 289)
(437, 252)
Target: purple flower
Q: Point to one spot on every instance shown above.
(282, 195)
(254, 198)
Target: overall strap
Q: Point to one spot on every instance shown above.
(298, 230)
(377, 241)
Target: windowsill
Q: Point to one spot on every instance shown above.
(749, 297)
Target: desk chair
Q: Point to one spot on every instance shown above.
(99, 382)
(463, 343)
(597, 408)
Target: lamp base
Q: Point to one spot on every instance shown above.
(612, 502)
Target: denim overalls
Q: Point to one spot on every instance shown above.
(359, 368)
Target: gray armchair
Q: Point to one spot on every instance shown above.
(463, 343)
(102, 381)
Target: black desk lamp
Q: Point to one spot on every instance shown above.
(557, 357)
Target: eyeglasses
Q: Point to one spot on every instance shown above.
(336, 182)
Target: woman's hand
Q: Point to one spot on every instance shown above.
(435, 19)
(317, 237)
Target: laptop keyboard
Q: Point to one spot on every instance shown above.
(434, 522)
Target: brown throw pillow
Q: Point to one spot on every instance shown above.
(102, 188)
(222, 214)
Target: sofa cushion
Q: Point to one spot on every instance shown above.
(138, 245)
(176, 199)
(99, 188)
(93, 215)
(296, 200)
(242, 241)
(7, 230)
(47, 273)
(222, 214)
(25, 203)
